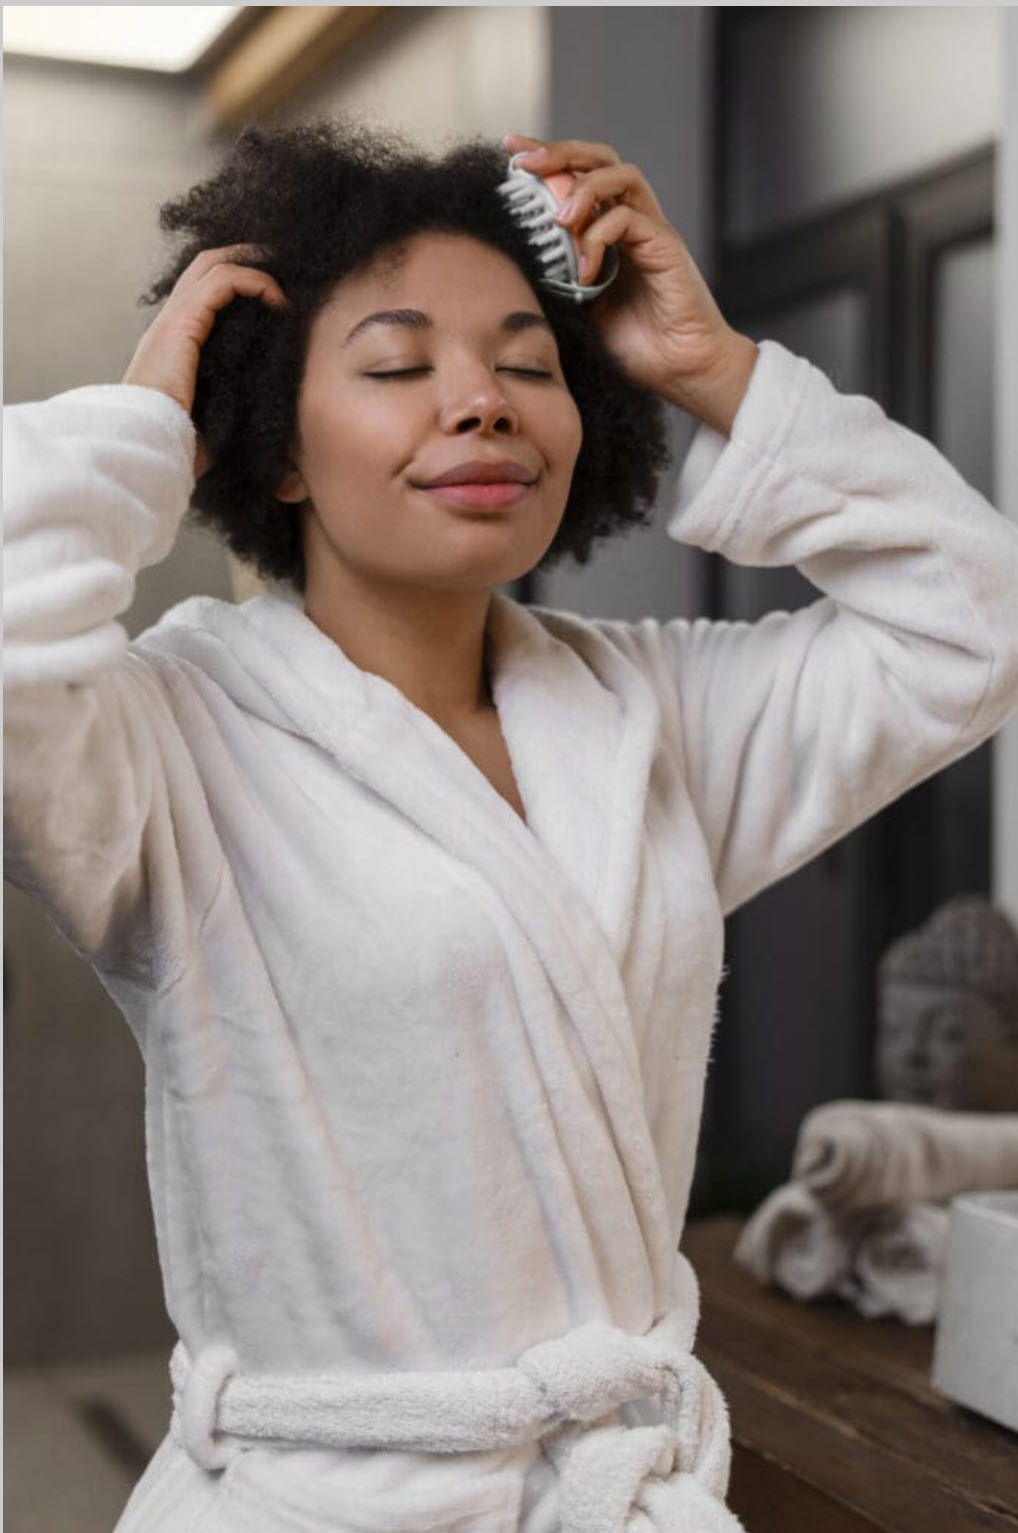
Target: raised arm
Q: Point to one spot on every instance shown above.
(797, 728)
(97, 779)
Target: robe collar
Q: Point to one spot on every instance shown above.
(580, 724)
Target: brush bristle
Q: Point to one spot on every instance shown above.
(533, 206)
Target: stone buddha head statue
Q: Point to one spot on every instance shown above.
(947, 1019)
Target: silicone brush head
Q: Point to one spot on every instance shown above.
(533, 202)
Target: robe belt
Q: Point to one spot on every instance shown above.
(564, 1391)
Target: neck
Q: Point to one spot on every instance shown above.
(431, 645)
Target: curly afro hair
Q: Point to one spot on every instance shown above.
(323, 200)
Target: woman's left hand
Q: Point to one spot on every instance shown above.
(658, 317)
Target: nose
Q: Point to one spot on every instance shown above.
(476, 402)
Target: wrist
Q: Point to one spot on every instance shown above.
(714, 394)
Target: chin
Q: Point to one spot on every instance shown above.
(470, 583)
(471, 568)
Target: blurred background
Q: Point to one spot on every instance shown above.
(847, 178)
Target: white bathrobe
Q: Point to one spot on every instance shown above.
(424, 1080)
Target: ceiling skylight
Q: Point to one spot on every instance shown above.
(166, 37)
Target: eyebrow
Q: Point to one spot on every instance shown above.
(416, 319)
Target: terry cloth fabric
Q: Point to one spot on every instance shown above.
(865, 1214)
(424, 1079)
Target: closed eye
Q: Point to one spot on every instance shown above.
(411, 372)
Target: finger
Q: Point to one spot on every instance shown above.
(621, 225)
(205, 260)
(220, 283)
(226, 281)
(596, 186)
(569, 154)
(194, 314)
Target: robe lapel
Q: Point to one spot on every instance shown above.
(581, 731)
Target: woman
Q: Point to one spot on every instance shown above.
(413, 897)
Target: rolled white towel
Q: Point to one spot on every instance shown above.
(794, 1241)
(898, 1264)
(882, 1261)
(855, 1154)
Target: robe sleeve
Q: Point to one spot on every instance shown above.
(96, 483)
(796, 728)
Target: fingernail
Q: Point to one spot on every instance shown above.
(536, 154)
(566, 211)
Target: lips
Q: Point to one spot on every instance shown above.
(482, 471)
(479, 497)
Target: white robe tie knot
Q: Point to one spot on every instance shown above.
(595, 1368)
(676, 1473)
(564, 1391)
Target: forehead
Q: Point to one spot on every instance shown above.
(450, 276)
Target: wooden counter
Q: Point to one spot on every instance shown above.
(835, 1425)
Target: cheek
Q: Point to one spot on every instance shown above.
(349, 444)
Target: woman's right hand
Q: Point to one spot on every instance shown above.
(168, 354)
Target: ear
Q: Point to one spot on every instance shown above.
(292, 488)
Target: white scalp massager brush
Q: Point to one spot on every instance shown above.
(534, 201)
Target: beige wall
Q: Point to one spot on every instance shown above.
(443, 73)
